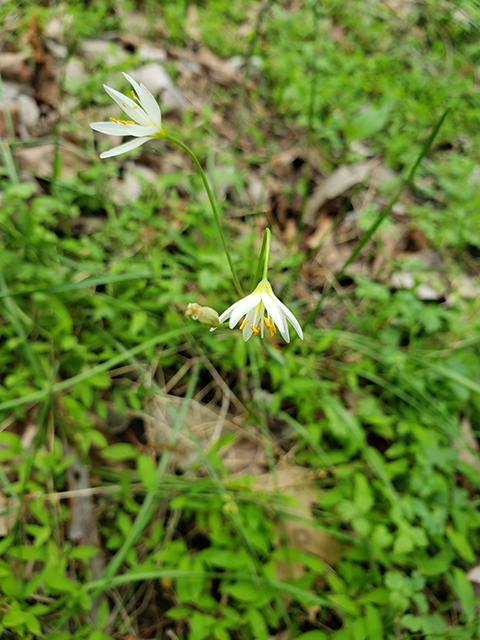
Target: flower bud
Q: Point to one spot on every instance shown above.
(205, 315)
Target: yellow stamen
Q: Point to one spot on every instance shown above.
(123, 121)
(271, 325)
(113, 120)
(124, 105)
(130, 121)
(242, 326)
(255, 330)
(135, 106)
(133, 94)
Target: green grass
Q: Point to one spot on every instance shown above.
(367, 410)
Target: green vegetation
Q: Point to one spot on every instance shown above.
(354, 514)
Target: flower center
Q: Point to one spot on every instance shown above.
(256, 329)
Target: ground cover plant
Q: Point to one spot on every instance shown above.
(161, 480)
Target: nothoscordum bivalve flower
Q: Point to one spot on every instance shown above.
(253, 308)
(144, 119)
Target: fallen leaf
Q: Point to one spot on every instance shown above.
(335, 185)
(468, 447)
(13, 66)
(8, 512)
(212, 63)
(83, 525)
(206, 425)
(297, 482)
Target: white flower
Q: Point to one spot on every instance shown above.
(253, 308)
(144, 118)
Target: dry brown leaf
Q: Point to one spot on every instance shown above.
(83, 525)
(324, 226)
(335, 185)
(7, 514)
(468, 445)
(13, 66)
(206, 425)
(5, 126)
(474, 576)
(297, 482)
(218, 68)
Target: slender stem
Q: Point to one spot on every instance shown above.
(214, 208)
(267, 252)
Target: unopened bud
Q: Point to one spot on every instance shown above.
(205, 315)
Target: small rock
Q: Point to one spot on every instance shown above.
(57, 49)
(75, 69)
(402, 280)
(466, 287)
(29, 114)
(148, 53)
(426, 292)
(238, 65)
(39, 159)
(130, 188)
(189, 67)
(110, 52)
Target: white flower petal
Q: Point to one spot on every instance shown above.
(127, 146)
(247, 331)
(270, 302)
(134, 83)
(129, 106)
(226, 314)
(289, 315)
(150, 105)
(243, 307)
(119, 129)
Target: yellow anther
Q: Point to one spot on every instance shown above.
(113, 120)
(130, 121)
(123, 121)
(242, 326)
(255, 330)
(271, 325)
(124, 105)
(134, 106)
(133, 95)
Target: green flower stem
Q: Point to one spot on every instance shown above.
(267, 252)
(214, 208)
